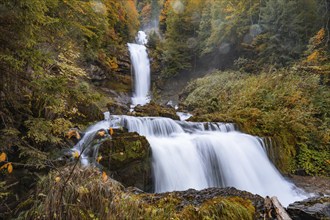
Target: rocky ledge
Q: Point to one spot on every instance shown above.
(310, 209)
(156, 110)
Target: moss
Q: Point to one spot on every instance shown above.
(127, 157)
(231, 208)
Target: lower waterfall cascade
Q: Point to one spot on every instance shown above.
(201, 155)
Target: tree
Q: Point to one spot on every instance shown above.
(180, 46)
(286, 26)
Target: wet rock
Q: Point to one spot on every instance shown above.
(310, 209)
(127, 156)
(117, 108)
(153, 109)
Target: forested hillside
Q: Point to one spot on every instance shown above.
(50, 51)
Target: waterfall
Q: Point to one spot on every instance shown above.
(201, 155)
(141, 69)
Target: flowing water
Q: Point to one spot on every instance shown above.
(191, 154)
(202, 155)
(141, 69)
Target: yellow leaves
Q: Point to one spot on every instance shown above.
(3, 157)
(99, 158)
(104, 176)
(75, 154)
(83, 190)
(314, 57)
(320, 36)
(57, 179)
(113, 63)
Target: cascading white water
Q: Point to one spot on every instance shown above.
(201, 155)
(141, 68)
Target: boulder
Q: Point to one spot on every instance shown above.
(310, 209)
(127, 156)
(154, 109)
(117, 108)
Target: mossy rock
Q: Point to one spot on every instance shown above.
(89, 112)
(92, 195)
(116, 108)
(213, 203)
(127, 155)
(156, 110)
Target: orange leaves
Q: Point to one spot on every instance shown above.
(104, 176)
(111, 131)
(73, 133)
(101, 133)
(3, 157)
(8, 166)
(320, 37)
(113, 63)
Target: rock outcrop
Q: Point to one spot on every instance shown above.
(310, 209)
(127, 156)
(154, 109)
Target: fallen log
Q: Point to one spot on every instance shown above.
(281, 214)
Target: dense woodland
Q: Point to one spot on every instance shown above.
(271, 62)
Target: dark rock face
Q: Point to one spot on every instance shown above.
(153, 109)
(90, 111)
(127, 156)
(310, 209)
(116, 108)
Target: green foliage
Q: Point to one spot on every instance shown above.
(271, 32)
(314, 162)
(287, 105)
(181, 36)
(286, 27)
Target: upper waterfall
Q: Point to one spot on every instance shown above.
(141, 69)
